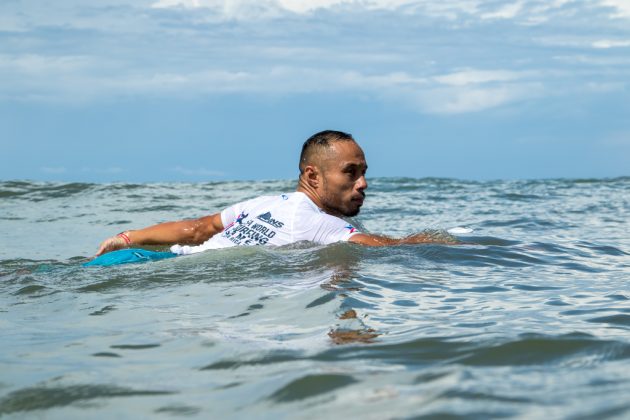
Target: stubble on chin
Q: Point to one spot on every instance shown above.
(353, 213)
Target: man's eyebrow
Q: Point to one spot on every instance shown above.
(352, 165)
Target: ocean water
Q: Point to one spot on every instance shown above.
(528, 318)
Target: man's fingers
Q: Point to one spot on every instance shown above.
(101, 249)
(109, 245)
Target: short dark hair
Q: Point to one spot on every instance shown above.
(320, 140)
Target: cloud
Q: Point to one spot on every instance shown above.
(509, 11)
(32, 63)
(473, 76)
(264, 9)
(605, 87)
(436, 56)
(528, 11)
(621, 7)
(469, 90)
(466, 90)
(611, 43)
(234, 8)
(475, 98)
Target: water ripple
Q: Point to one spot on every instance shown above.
(526, 317)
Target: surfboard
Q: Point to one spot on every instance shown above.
(128, 256)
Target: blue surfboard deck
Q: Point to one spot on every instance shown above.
(128, 256)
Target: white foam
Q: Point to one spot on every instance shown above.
(459, 230)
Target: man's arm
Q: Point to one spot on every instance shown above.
(418, 238)
(190, 232)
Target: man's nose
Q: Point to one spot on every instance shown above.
(362, 183)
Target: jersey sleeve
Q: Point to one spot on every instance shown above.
(334, 230)
(229, 215)
(325, 229)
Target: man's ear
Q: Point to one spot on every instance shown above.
(311, 175)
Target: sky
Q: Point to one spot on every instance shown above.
(210, 90)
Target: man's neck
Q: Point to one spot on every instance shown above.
(310, 192)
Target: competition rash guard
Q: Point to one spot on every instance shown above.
(274, 220)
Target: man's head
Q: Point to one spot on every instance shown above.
(332, 172)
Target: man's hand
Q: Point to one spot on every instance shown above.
(111, 244)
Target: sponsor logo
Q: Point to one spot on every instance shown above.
(351, 228)
(266, 217)
(241, 217)
(239, 220)
(249, 233)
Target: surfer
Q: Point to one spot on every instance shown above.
(331, 185)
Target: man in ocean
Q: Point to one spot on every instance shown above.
(331, 186)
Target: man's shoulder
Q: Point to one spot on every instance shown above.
(303, 204)
(261, 199)
(260, 203)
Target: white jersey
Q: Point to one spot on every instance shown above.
(275, 220)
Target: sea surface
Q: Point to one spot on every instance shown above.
(529, 317)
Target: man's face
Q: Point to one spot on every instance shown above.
(343, 179)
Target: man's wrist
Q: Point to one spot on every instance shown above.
(125, 237)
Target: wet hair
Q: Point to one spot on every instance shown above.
(319, 141)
